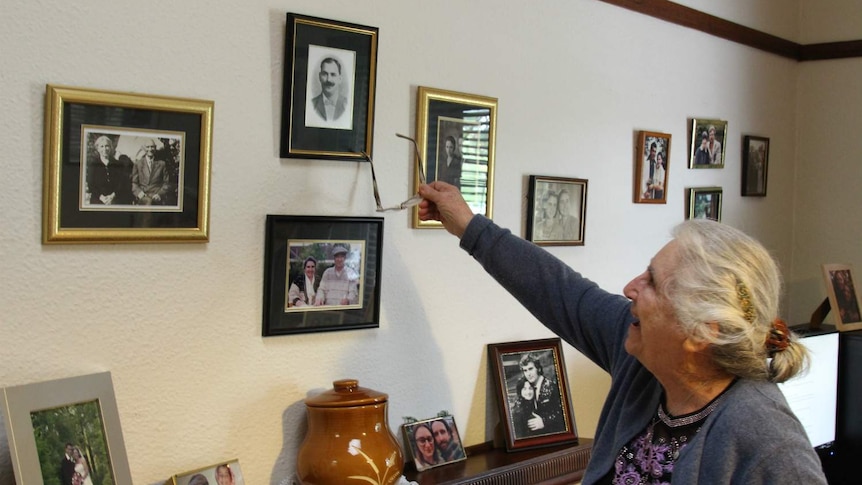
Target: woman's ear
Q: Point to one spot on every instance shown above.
(696, 345)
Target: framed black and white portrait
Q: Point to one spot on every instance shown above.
(532, 392)
(330, 70)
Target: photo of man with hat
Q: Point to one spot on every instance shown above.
(339, 284)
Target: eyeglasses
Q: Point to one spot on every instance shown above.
(424, 439)
(412, 200)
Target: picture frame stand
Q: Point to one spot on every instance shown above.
(819, 314)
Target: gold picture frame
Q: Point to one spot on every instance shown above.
(708, 143)
(97, 184)
(39, 419)
(843, 296)
(468, 123)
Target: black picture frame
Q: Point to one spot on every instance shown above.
(88, 201)
(314, 46)
(559, 229)
(290, 241)
(552, 405)
(755, 165)
(468, 124)
(432, 426)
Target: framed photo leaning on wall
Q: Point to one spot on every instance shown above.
(755, 161)
(125, 167)
(556, 210)
(64, 428)
(843, 294)
(222, 473)
(456, 134)
(330, 71)
(321, 273)
(708, 137)
(532, 393)
(651, 167)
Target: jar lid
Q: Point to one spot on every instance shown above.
(346, 392)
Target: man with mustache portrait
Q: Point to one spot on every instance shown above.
(330, 104)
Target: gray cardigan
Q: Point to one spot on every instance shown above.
(752, 436)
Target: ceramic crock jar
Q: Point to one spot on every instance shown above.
(348, 438)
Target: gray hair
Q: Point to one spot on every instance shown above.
(725, 277)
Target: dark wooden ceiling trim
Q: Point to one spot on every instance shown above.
(725, 29)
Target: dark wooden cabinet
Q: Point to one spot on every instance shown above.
(485, 465)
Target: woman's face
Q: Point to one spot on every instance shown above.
(551, 206)
(527, 391)
(309, 269)
(76, 454)
(655, 337)
(450, 148)
(425, 443)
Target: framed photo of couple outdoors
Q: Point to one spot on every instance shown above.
(651, 167)
(77, 416)
(456, 134)
(321, 273)
(125, 168)
(532, 393)
(556, 211)
(330, 71)
(843, 295)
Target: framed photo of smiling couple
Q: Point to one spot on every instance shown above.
(433, 442)
(532, 393)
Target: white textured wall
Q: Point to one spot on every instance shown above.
(179, 325)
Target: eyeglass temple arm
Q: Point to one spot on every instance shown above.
(419, 170)
(373, 180)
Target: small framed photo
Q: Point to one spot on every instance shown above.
(66, 431)
(651, 167)
(556, 211)
(755, 161)
(707, 143)
(125, 168)
(321, 274)
(221, 473)
(704, 203)
(843, 296)
(456, 134)
(433, 442)
(330, 71)
(532, 393)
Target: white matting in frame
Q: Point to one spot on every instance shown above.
(44, 409)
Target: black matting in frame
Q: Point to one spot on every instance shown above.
(290, 241)
(310, 42)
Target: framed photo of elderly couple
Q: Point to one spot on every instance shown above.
(321, 273)
(532, 393)
(125, 167)
(330, 70)
(651, 167)
(556, 210)
(456, 136)
(65, 431)
(433, 442)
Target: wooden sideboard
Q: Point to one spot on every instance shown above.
(486, 465)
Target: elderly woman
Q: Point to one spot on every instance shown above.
(694, 352)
